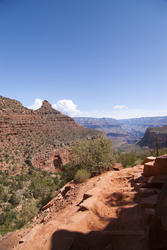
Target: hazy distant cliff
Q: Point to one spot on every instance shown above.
(155, 137)
(124, 130)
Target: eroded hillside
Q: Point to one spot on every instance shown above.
(40, 138)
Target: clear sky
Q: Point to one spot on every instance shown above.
(103, 58)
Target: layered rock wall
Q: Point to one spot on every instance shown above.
(155, 138)
(28, 136)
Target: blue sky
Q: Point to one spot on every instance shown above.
(102, 58)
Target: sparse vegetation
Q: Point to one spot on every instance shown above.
(136, 157)
(23, 195)
(94, 156)
(127, 159)
(81, 175)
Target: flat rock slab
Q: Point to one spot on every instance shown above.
(156, 167)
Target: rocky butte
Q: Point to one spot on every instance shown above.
(155, 137)
(40, 138)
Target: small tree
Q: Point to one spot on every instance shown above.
(95, 156)
(127, 159)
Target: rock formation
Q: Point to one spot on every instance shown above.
(36, 137)
(155, 138)
(156, 166)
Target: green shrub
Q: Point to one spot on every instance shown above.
(42, 187)
(81, 175)
(127, 159)
(26, 214)
(14, 199)
(95, 156)
(5, 197)
(7, 222)
(35, 185)
(1, 192)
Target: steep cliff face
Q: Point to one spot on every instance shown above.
(155, 137)
(35, 137)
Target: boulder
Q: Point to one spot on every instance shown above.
(149, 159)
(149, 169)
(117, 167)
(157, 167)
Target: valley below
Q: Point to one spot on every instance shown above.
(123, 133)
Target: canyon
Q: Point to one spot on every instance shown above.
(123, 131)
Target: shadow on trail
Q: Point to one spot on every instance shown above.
(126, 232)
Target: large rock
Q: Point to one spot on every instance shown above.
(157, 167)
(149, 159)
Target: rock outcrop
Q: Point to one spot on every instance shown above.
(36, 137)
(155, 138)
(156, 166)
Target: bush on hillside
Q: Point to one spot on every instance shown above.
(27, 213)
(30, 190)
(14, 199)
(128, 159)
(95, 156)
(81, 175)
